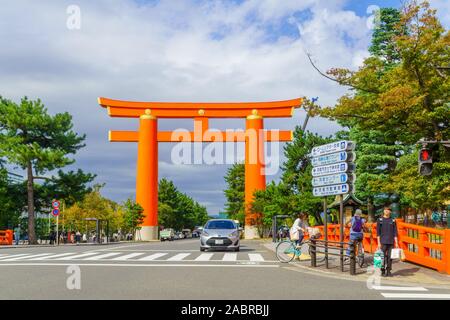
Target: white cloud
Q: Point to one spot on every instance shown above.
(172, 51)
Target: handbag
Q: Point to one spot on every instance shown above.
(293, 234)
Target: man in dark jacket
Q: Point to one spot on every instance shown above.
(387, 236)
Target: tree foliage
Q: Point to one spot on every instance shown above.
(235, 193)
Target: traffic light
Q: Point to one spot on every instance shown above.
(425, 161)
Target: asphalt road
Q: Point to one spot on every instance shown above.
(174, 270)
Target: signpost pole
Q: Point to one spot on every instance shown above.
(341, 229)
(57, 230)
(325, 223)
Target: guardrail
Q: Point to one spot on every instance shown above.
(428, 247)
(6, 237)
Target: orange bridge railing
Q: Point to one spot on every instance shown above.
(428, 247)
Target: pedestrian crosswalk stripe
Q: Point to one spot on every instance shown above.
(53, 256)
(102, 256)
(25, 257)
(204, 257)
(141, 256)
(389, 288)
(14, 255)
(30, 257)
(178, 257)
(153, 256)
(255, 257)
(128, 256)
(229, 257)
(416, 295)
(77, 256)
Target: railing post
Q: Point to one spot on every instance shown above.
(352, 259)
(446, 252)
(313, 253)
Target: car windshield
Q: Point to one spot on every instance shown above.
(220, 224)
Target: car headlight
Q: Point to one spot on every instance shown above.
(233, 234)
(204, 233)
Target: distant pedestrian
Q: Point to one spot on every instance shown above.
(387, 237)
(77, 237)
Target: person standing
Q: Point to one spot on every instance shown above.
(387, 237)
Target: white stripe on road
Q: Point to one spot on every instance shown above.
(255, 257)
(76, 256)
(416, 295)
(388, 288)
(178, 257)
(14, 255)
(204, 257)
(128, 256)
(26, 256)
(53, 256)
(102, 256)
(142, 265)
(153, 256)
(229, 257)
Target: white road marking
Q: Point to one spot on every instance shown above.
(178, 257)
(128, 256)
(25, 256)
(389, 288)
(102, 256)
(255, 257)
(77, 256)
(14, 255)
(153, 256)
(53, 256)
(142, 265)
(229, 257)
(416, 295)
(204, 257)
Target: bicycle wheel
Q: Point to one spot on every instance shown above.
(360, 257)
(286, 251)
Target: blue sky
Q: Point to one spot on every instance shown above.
(177, 50)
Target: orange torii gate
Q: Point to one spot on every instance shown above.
(148, 137)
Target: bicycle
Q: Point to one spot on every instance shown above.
(359, 253)
(287, 250)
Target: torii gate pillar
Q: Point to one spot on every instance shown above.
(147, 176)
(255, 178)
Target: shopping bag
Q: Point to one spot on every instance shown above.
(395, 253)
(293, 234)
(402, 255)
(378, 258)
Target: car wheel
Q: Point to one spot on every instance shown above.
(237, 249)
(202, 249)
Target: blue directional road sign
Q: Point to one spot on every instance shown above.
(55, 212)
(55, 204)
(331, 190)
(333, 158)
(332, 179)
(333, 148)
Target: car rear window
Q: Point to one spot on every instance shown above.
(220, 225)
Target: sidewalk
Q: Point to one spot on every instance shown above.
(404, 273)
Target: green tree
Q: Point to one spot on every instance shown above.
(10, 200)
(235, 193)
(71, 186)
(394, 106)
(133, 216)
(383, 45)
(37, 142)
